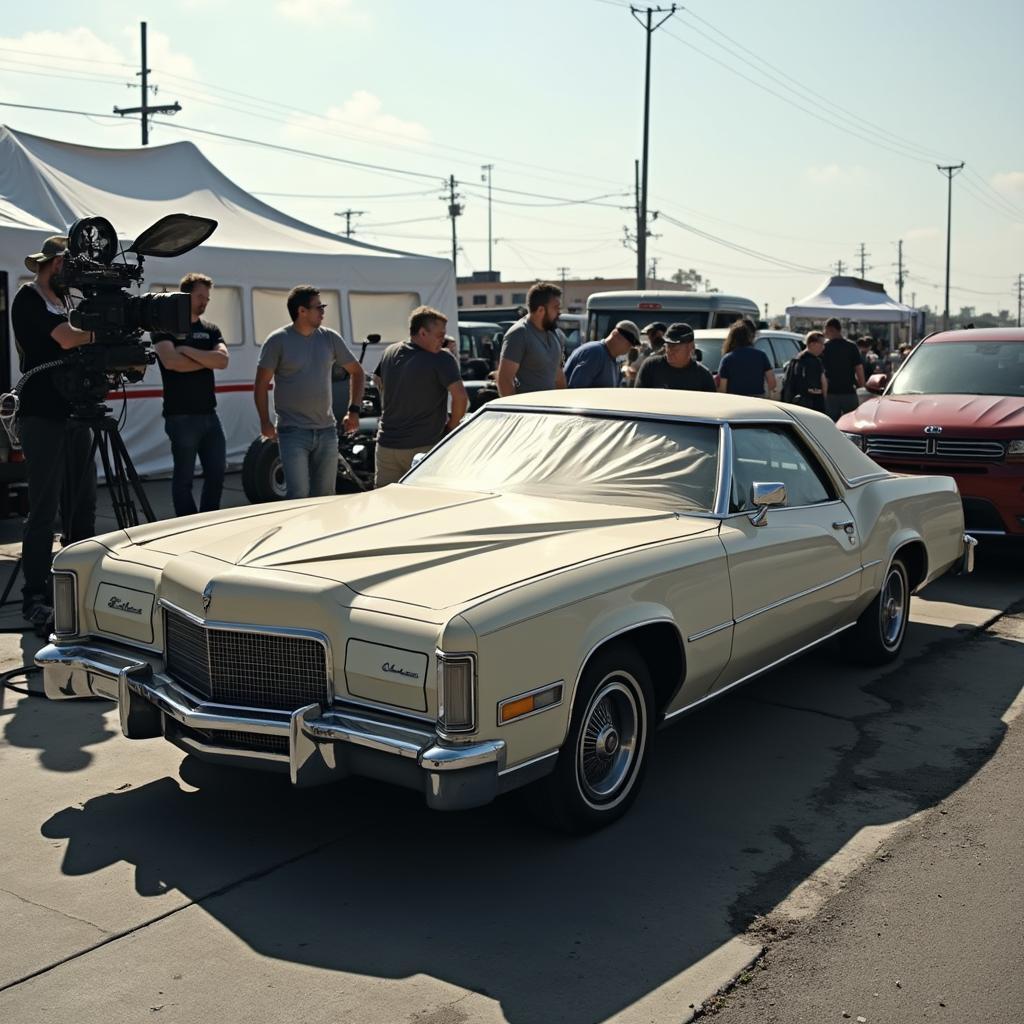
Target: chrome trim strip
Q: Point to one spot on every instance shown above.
(708, 632)
(239, 753)
(248, 627)
(757, 672)
(988, 533)
(871, 565)
(528, 764)
(723, 486)
(560, 683)
(612, 414)
(796, 597)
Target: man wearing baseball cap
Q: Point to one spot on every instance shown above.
(596, 364)
(676, 367)
(49, 439)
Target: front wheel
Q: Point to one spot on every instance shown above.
(878, 635)
(602, 763)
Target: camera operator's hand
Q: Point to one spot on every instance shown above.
(350, 424)
(269, 431)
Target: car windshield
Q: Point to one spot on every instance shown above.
(963, 368)
(658, 464)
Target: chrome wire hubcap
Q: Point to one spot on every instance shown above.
(608, 741)
(893, 609)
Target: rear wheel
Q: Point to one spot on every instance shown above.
(878, 636)
(602, 763)
(262, 473)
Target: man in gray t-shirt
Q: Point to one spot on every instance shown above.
(531, 356)
(300, 359)
(416, 378)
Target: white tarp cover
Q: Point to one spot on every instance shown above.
(851, 298)
(45, 185)
(672, 467)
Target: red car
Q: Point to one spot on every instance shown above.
(955, 407)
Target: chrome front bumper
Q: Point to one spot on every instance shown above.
(313, 744)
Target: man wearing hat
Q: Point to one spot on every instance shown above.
(676, 367)
(56, 449)
(655, 341)
(596, 364)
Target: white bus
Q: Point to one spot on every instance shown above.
(701, 310)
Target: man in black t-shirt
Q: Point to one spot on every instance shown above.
(806, 384)
(844, 370)
(676, 367)
(60, 473)
(190, 402)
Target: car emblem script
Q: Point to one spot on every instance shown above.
(933, 430)
(207, 597)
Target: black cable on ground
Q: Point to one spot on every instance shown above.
(26, 671)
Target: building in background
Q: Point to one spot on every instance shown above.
(484, 289)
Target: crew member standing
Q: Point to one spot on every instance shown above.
(416, 379)
(675, 367)
(531, 354)
(844, 370)
(190, 402)
(596, 363)
(806, 384)
(60, 474)
(299, 359)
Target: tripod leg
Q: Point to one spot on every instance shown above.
(131, 477)
(111, 477)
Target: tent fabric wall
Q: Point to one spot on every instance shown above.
(46, 184)
(851, 298)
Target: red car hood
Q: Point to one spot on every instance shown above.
(965, 415)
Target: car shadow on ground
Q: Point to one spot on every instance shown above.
(744, 799)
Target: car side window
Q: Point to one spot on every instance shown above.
(765, 346)
(766, 454)
(785, 349)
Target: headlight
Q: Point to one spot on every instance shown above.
(456, 702)
(1015, 450)
(65, 604)
(857, 439)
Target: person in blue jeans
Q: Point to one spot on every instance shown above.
(299, 360)
(744, 370)
(190, 402)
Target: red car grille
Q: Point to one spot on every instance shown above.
(955, 449)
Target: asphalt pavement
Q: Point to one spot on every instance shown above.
(138, 883)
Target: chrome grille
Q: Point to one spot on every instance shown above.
(990, 450)
(247, 668)
(936, 448)
(896, 445)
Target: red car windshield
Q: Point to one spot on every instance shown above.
(963, 368)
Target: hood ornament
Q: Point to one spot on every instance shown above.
(207, 596)
(933, 430)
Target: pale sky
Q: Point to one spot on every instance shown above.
(793, 130)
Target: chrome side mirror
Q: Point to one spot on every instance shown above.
(762, 497)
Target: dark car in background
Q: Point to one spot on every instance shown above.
(955, 407)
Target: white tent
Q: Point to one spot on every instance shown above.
(256, 254)
(851, 298)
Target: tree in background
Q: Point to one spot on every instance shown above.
(690, 278)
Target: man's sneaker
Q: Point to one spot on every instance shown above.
(40, 617)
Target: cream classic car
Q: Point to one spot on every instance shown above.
(556, 579)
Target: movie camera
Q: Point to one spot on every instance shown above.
(117, 318)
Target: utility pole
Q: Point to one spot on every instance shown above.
(654, 268)
(146, 110)
(839, 268)
(641, 241)
(562, 272)
(348, 215)
(486, 176)
(640, 226)
(901, 270)
(949, 170)
(863, 258)
(1020, 293)
(455, 209)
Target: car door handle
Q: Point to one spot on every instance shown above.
(848, 526)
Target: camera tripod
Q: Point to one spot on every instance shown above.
(118, 470)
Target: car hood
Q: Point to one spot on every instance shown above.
(421, 546)
(954, 413)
